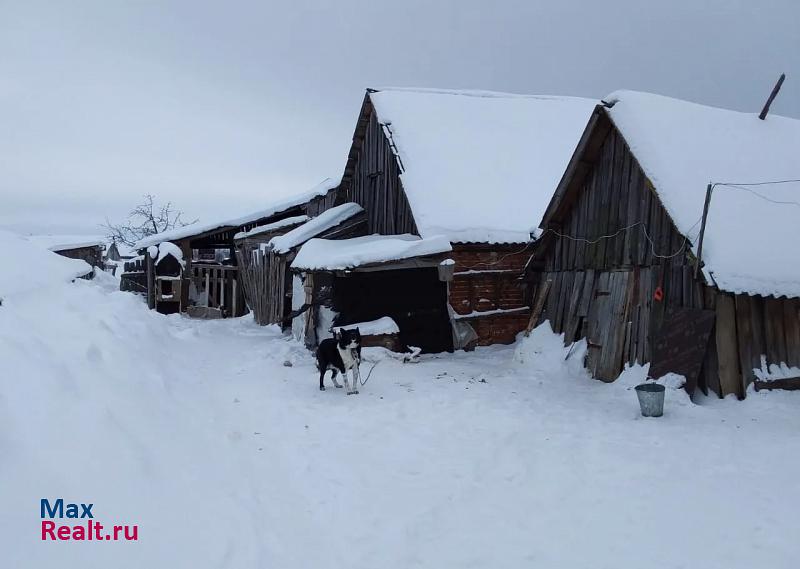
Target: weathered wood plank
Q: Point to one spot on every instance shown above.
(773, 328)
(791, 326)
(749, 355)
(730, 376)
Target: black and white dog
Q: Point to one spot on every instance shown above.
(340, 354)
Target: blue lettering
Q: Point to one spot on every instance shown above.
(57, 511)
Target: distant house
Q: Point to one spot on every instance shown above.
(472, 168)
(118, 253)
(617, 262)
(86, 248)
(211, 285)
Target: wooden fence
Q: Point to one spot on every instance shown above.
(264, 279)
(218, 287)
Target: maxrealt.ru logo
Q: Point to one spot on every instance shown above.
(88, 530)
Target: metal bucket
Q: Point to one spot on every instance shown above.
(651, 399)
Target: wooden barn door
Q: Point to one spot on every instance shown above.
(607, 324)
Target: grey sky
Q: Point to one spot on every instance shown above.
(223, 106)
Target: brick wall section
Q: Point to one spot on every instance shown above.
(487, 279)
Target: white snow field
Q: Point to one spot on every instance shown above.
(226, 458)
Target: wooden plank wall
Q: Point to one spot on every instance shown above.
(487, 278)
(375, 184)
(605, 291)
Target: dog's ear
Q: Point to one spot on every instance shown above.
(335, 334)
(358, 332)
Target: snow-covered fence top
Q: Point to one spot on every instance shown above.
(753, 231)
(333, 255)
(383, 325)
(480, 166)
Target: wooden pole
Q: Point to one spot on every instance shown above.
(709, 189)
(772, 96)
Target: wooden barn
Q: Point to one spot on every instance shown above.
(266, 252)
(628, 260)
(474, 168)
(210, 285)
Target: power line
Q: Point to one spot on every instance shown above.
(762, 196)
(770, 183)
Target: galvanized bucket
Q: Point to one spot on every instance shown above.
(651, 399)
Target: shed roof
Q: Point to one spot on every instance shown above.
(752, 233)
(274, 208)
(67, 242)
(480, 166)
(341, 254)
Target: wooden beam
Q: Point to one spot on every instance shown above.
(787, 383)
(763, 114)
(709, 189)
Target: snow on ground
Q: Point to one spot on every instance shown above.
(27, 266)
(504, 457)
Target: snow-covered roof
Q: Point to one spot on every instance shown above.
(480, 166)
(752, 233)
(66, 242)
(261, 229)
(323, 222)
(332, 255)
(28, 266)
(281, 205)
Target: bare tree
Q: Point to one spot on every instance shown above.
(147, 218)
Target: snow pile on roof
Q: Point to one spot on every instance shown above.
(65, 242)
(196, 228)
(261, 229)
(752, 234)
(383, 325)
(323, 222)
(480, 166)
(27, 266)
(165, 249)
(327, 254)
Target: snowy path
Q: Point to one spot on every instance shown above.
(228, 458)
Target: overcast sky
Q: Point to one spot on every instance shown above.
(221, 107)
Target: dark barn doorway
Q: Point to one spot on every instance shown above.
(414, 298)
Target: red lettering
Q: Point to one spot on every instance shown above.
(47, 528)
(78, 533)
(98, 527)
(117, 529)
(64, 532)
(134, 533)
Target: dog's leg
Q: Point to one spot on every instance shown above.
(347, 383)
(356, 378)
(322, 380)
(335, 372)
